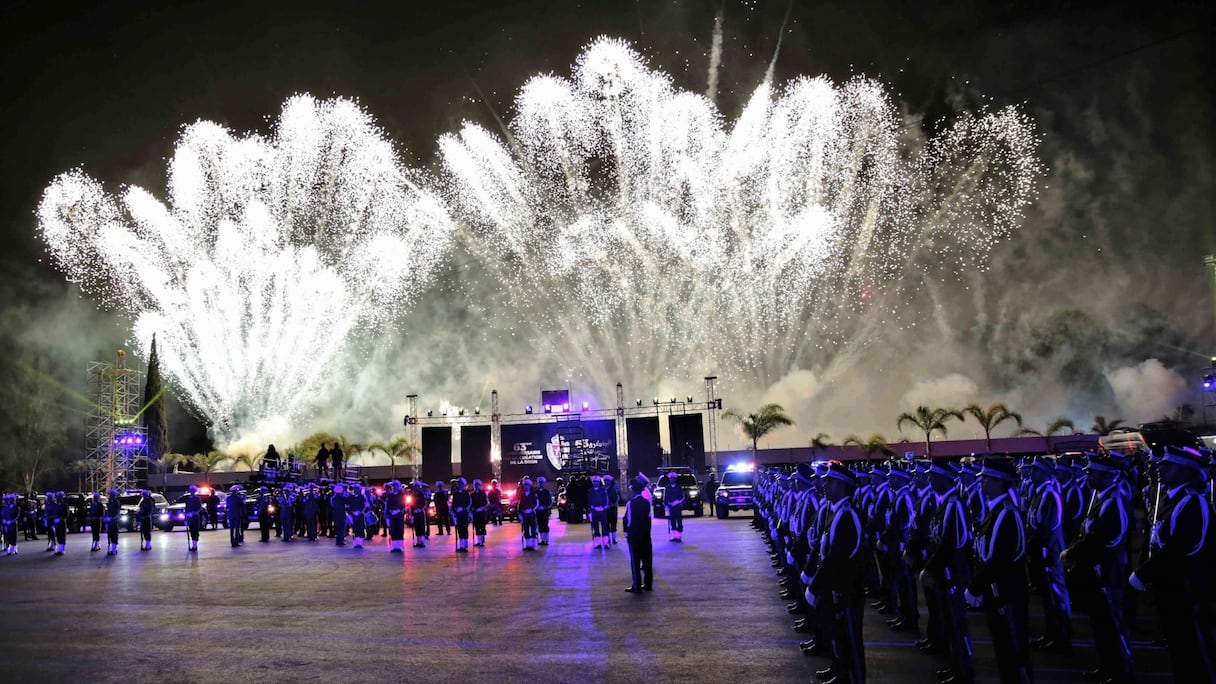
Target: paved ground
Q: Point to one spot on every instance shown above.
(314, 612)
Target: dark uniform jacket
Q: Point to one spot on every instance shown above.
(839, 551)
(637, 518)
(949, 551)
(1000, 551)
(1099, 548)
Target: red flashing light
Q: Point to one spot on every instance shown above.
(409, 501)
(379, 491)
(510, 493)
(204, 490)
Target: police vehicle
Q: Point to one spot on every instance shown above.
(128, 518)
(175, 514)
(687, 479)
(735, 491)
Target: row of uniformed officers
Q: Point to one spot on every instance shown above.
(977, 535)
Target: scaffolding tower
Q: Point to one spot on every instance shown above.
(116, 451)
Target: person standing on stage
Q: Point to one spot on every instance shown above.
(673, 500)
(637, 536)
(336, 456)
(194, 518)
(1044, 542)
(544, 505)
(97, 511)
(287, 507)
(322, 462)
(614, 503)
(110, 520)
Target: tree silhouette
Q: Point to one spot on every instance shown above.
(154, 408)
(928, 421)
(758, 424)
(1102, 426)
(990, 418)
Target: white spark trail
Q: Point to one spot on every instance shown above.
(271, 256)
(648, 238)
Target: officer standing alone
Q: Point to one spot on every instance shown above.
(673, 499)
(194, 518)
(637, 536)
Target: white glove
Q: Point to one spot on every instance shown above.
(789, 558)
(973, 600)
(1137, 583)
(810, 598)
(805, 579)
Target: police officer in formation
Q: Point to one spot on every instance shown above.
(147, 507)
(673, 500)
(265, 508)
(194, 518)
(544, 506)
(1178, 567)
(1099, 557)
(976, 533)
(614, 502)
(356, 510)
(57, 519)
(395, 508)
(97, 511)
(527, 514)
(310, 509)
(418, 500)
(443, 512)
(341, 520)
(480, 502)
(111, 520)
(462, 507)
(597, 504)
(286, 501)
(10, 513)
(236, 515)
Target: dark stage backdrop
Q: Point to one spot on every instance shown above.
(475, 453)
(642, 436)
(436, 454)
(687, 440)
(534, 449)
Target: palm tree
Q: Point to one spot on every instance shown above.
(758, 424)
(399, 448)
(250, 462)
(203, 463)
(991, 417)
(929, 421)
(1103, 427)
(820, 443)
(1054, 427)
(876, 444)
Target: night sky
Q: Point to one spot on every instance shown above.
(1122, 97)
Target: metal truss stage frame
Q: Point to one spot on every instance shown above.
(620, 413)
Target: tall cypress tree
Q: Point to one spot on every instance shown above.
(154, 409)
